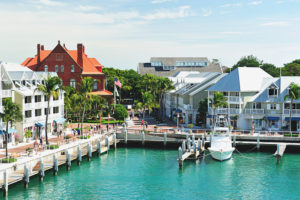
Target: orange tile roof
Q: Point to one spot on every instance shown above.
(89, 64)
(102, 93)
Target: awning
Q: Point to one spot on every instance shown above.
(273, 118)
(178, 110)
(40, 124)
(10, 130)
(60, 120)
(210, 116)
(293, 119)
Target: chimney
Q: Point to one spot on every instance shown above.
(64, 45)
(38, 54)
(80, 52)
(42, 47)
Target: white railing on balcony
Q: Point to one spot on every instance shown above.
(234, 99)
(254, 111)
(6, 93)
(187, 107)
(294, 111)
(225, 111)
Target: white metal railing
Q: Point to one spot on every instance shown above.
(224, 111)
(254, 111)
(6, 93)
(234, 99)
(294, 111)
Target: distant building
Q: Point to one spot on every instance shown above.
(70, 66)
(169, 66)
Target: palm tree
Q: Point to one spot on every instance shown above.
(86, 87)
(293, 93)
(69, 92)
(11, 113)
(218, 101)
(148, 103)
(50, 88)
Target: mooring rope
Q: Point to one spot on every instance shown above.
(266, 157)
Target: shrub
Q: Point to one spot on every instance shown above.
(84, 137)
(290, 135)
(9, 160)
(120, 112)
(28, 134)
(52, 146)
(68, 137)
(28, 149)
(190, 125)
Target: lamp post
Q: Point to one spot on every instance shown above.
(177, 120)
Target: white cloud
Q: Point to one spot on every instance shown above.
(181, 12)
(160, 1)
(255, 3)
(278, 23)
(206, 12)
(88, 8)
(51, 3)
(231, 5)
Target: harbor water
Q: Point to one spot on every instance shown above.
(136, 173)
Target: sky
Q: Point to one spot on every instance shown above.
(122, 33)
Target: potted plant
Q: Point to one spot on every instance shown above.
(28, 135)
(155, 129)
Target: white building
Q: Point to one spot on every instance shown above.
(20, 83)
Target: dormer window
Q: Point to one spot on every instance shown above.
(273, 91)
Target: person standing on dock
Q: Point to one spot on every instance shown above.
(107, 127)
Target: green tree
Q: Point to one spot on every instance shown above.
(271, 69)
(247, 61)
(293, 94)
(291, 69)
(11, 113)
(50, 88)
(69, 93)
(202, 109)
(219, 100)
(120, 112)
(85, 88)
(163, 85)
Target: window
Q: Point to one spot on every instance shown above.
(156, 64)
(33, 82)
(28, 99)
(73, 83)
(46, 68)
(273, 90)
(273, 106)
(27, 113)
(45, 98)
(56, 68)
(55, 110)
(256, 105)
(38, 112)
(95, 85)
(45, 111)
(59, 57)
(55, 99)
(37, 98)
(62, 69)
(72, 68)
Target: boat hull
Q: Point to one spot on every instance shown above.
(221, 155)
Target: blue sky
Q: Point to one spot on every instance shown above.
(122, 33)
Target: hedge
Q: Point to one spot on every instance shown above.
(52, 146)
(9, 160)
(290, 135)
(84, 137)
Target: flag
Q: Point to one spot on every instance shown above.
(118, 83)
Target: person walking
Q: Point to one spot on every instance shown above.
(107, 127)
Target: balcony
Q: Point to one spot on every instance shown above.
(231, 99)
(294, 111)
(6, 93)
(254, 111)
(187, 107)
(225, 111)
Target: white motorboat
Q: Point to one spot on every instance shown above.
(221, 145)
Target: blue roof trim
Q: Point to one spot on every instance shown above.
(273, 118)
(293, 119)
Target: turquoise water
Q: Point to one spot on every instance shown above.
(154, 174)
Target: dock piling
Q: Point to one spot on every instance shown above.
(202, 140)
(42, 170)
(183, 146)
(234, 140)
(68, 160)
(26, 176)
(189, 144)
(115, 140)
(165, 139)
(79, 157)
(107, 143)
(258, 145)
(143, 138)
(55, 165)
(89, 154)
(180, 157)
(99, 147)
(199, 146)
(5, 181)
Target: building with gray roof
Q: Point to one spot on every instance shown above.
(169, 66)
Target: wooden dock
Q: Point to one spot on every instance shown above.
(279, 152)
(25, 168)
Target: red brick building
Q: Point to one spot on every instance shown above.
(70, 66)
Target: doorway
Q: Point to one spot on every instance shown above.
(294, 125)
